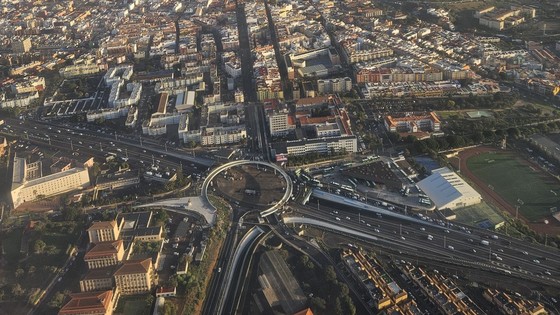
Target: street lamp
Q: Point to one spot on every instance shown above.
(545, 234)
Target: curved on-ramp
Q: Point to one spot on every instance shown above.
(264, 213)
(240, 253)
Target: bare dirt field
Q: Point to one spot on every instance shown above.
(250, 185)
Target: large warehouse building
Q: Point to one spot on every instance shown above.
(448, 191)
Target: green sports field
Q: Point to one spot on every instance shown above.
(518, 182)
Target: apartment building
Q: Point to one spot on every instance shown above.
(135, 276)
(222, 135)
(21, 46)
(28, 85)
(320, 145)
(335, 85)
(104, 254)
(79, 70)
(280, 123)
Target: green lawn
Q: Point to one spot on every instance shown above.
(472, 215)
(514, 179)
(132, 305)
(135, 308)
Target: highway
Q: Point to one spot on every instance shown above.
(223, 266)
(512, 256)
(87, 142)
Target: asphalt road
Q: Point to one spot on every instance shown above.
(516, 257)
(87, 142)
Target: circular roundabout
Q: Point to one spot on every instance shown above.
(264, 186)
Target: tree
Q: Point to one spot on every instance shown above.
(420, 146)
(318, 305)
(173, 282)
(70, 213)
(330, 274)
(394, 137)
(450, 104)
(57, 300)
(51, 250)
(17, 290)
(39, 246)
(149, 300)
(348, 305)
(19, 272)
(477, 137)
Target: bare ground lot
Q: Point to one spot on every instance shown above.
(251, 185)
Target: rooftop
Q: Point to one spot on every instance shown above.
(87, 303)
(134, 267)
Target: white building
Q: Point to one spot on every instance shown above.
(449, 191)
(30, 187)
(79, 70)
(280, 123)
(223, 135)
(320, 145)
(336, 85)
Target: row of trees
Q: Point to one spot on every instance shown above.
(328, 295)
(436, 144)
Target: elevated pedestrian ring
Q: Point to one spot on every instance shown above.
(221, 168)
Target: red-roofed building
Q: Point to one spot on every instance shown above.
(413, 123)
(104, 231)
(135, 276)
(306, 311)
(104, 254)
(90, 303)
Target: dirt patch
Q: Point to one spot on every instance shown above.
(259, 186)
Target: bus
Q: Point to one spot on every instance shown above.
(353, 182)
(347, 188)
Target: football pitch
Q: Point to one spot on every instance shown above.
(521, 184)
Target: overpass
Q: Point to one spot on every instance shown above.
(317, 193)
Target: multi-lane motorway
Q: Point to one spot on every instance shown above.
(99, 143)
(451, 241)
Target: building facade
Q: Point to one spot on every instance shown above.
(105, 254)
(135, 276)
(336, 85)
(24, 190)
(413, 123)
(97, 280)
(103, 231)
(90, 303)
(21, 46)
